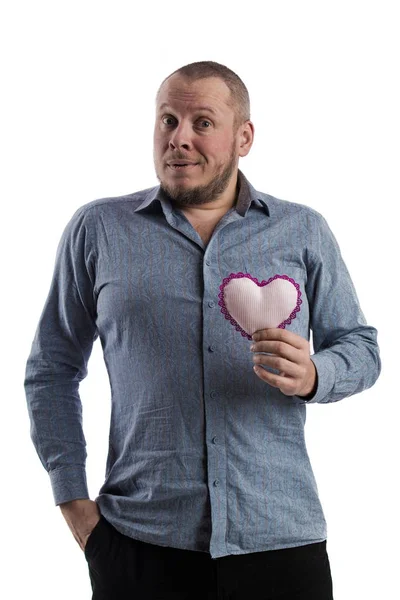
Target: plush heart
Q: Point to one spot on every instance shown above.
(250, 305)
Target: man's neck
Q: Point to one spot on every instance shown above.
(212, 210)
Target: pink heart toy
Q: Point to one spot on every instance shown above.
(250, 305)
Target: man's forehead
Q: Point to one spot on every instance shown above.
(204, 94)
(195, 107)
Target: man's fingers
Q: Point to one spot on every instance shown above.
(280, 335)
(276, 362)
(272, 379)
(278, 348)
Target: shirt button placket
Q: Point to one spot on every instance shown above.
(214, 400)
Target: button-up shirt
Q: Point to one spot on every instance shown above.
(203, 455)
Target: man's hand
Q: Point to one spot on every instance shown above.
(82, 516)
(291, 357)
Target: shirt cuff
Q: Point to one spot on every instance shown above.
(69, 483)
(326, 378)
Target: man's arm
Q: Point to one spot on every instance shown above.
(58, 362)
(346, 359)
(346, 353)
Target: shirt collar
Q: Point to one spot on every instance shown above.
(248, 195)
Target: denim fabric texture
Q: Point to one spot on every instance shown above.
(203, 455)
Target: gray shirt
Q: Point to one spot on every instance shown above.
(203, 455)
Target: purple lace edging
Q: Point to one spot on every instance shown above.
(229, 317)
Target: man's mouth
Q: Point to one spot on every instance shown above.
(182, 167)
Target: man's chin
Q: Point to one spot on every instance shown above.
(186, 194)
(183, 200)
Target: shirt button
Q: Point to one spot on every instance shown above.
(214, 440)
(211, 304)
(208, 262)
(216, 482)
(211, 348)
(213, 394)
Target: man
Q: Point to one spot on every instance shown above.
(209, 492)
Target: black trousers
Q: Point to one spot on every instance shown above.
(122, 568)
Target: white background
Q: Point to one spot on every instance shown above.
(77, 108)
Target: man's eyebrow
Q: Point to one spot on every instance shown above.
(196, 108)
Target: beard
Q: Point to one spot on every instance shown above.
(202, 194)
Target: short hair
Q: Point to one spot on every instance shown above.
(239, 100)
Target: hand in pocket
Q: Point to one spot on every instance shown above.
(82, 516)
(90, 533)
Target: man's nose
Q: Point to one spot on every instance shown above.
(181, 136)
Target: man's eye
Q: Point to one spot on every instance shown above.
(165, 119)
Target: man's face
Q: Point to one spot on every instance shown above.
(185, 130)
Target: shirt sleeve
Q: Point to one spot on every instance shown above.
(58, 362)
(346, 353)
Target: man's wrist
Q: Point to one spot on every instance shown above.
(74, 505)
(310, 391)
